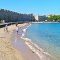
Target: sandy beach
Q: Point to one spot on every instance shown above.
(7, 52)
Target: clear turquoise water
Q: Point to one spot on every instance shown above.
(46, 36)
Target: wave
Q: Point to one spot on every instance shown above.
(24, 30)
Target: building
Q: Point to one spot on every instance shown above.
(39, 18)
(43, 18)
(36, 18)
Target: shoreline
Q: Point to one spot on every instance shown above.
(36, 49)
(43, 22)
(31, 46)
(20, 44)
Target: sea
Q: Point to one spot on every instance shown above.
(46, 36)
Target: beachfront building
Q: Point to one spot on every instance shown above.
(36, 18)
(42, 18)
(39, 18)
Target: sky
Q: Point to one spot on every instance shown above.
(41, 7)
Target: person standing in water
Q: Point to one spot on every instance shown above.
(17, 28)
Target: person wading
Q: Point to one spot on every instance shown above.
(17, 28)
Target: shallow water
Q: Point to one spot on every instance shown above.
(46, 36)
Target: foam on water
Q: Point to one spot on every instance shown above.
(24, 30)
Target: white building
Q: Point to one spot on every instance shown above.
(36, 18)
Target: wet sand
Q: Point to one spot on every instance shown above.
(19, 44)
